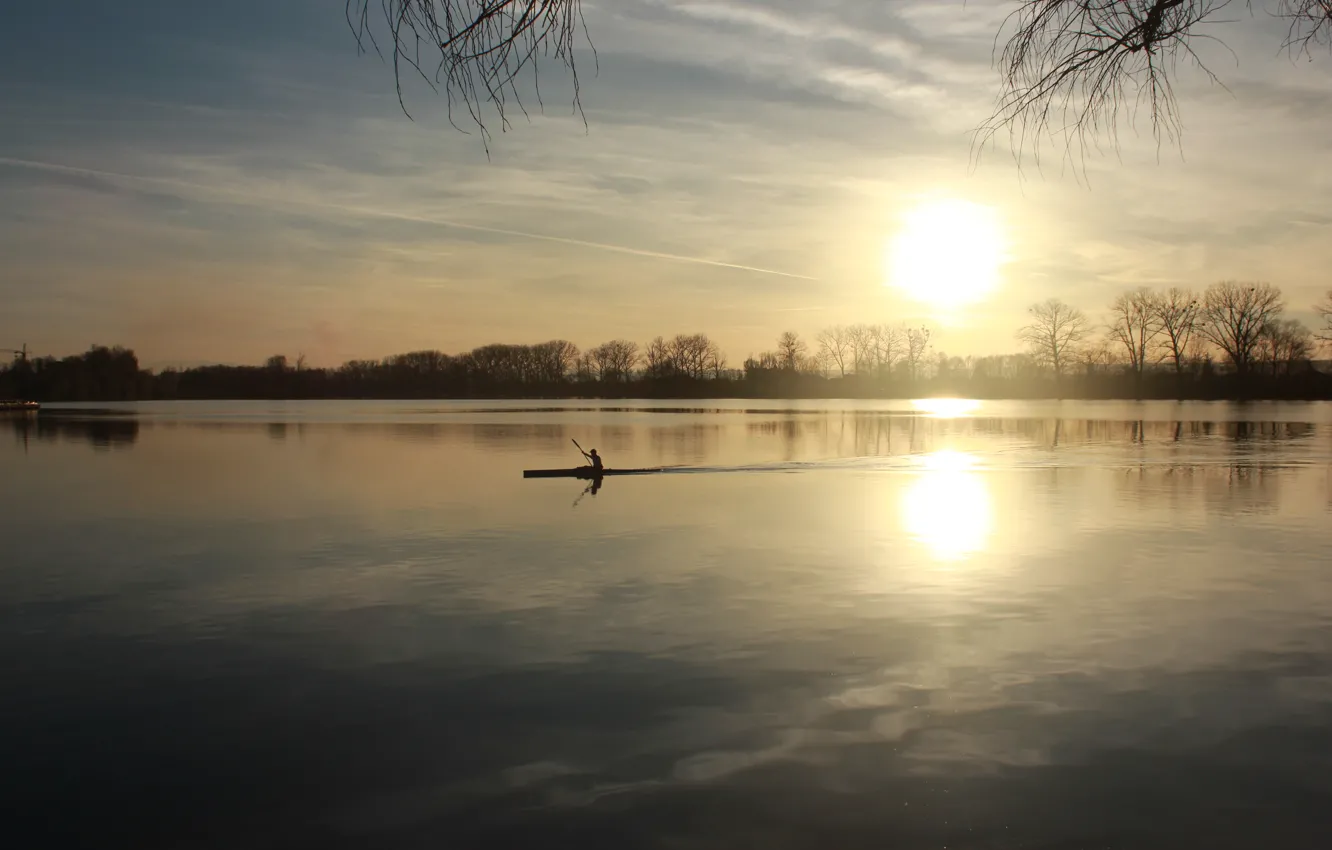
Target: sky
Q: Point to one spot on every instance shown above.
(236, 181)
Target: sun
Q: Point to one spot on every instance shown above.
(947, 253)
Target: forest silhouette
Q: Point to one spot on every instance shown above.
(555, 370)
(1229, 342)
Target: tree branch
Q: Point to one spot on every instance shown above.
(483, 47)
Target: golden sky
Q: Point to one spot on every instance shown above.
(242, 183)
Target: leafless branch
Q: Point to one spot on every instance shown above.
(1324, 311)
(1055, 335)
(482, 47)
(1310, 25)
(1071, 67)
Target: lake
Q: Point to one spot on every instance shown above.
(831, 624)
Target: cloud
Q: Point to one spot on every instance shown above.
(101, 180)
(249, 158)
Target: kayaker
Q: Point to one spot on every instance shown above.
(595, 459)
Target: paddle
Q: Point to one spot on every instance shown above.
(580, 448)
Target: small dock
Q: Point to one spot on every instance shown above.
(18, 408)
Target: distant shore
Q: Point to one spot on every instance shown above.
(905, 394)
(523, 372)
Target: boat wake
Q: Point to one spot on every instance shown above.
(1001, 462)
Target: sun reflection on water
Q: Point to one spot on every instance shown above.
(946, 408)
(948, 507)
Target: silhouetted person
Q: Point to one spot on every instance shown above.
(594, 459)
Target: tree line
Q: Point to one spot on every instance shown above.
(1229, 341)
(1237, 326)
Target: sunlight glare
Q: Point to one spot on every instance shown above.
(948, 507)
(947, 253)
(946, 408)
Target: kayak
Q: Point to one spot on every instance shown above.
(586, 472)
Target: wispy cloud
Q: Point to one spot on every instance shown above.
(744, 165)
(275, 201)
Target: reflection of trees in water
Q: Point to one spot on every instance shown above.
(99, 431)
(614, 438)
(1275, 431)
(699, 436)
(872, 433)
(409, 432)
(847, 433)
(109, 430)
(1220, 488)
(1053, 433)
(694, 442)
(792, 429)
(504, 437)
(492, 436)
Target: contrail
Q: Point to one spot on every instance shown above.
(368, 211)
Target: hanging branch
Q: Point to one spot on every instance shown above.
(482, 47)
(1071, 68)
(1310, 25)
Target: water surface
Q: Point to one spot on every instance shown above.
(842, 624)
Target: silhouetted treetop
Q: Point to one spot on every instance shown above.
(1324, 310)
(1235, 315)
(1055, 334)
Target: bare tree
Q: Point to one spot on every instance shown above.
(1198, 355)
(414, 362)
(504, 364)
(837, 347)
(694, 355)
(1283, 344)
(885, 348)
(816, 363)
(1234, 314)
(790, 350)
(657, 358)
(585, 367)
(862, 348)
(765, 361)
(1324, 309)
(474, 50)
(1055, 334)
(1178, 312)
(1098, 354)
(1135, 322)
(1070, 67)
(715, 362)
(553, 361)
(917, 343)
(614, 360)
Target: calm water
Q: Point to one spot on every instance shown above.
(858, 625)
